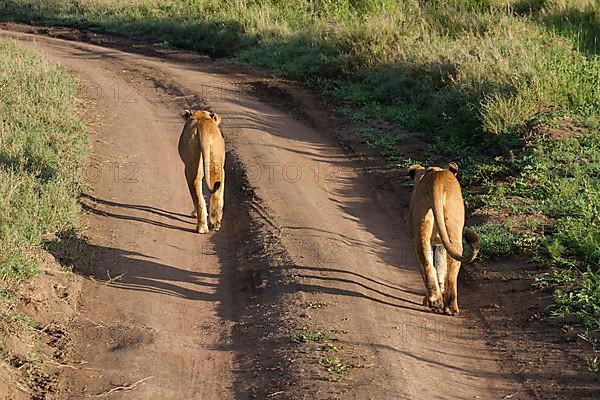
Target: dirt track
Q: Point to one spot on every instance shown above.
(160, 310)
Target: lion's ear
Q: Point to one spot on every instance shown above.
(412, 170)
(185, 114)
(215, 117)
(453, 167)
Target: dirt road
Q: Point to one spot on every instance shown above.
(157, 321)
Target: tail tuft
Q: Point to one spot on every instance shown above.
(215, 117)
(473, 240)
(216, 186)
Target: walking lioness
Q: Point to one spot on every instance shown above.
(436, 221)
(202, 150)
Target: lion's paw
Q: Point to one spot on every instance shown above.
(452, 310)
(202, 229)
(436, 304)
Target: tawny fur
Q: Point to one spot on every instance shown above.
(202, 150)
(436, 221)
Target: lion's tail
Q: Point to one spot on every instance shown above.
(471, 237)
(211, 175)
(185, 114)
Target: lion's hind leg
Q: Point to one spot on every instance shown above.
(451, 292)
(440, 259)
(190, 177)
(451, 281)
(425, 258)
(216, 204)
(199, 202)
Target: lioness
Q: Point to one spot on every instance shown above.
(202, 150)
(436, 220)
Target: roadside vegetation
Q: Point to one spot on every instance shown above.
(508, 88)
(42, 142)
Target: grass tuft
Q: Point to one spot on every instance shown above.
(306, 336)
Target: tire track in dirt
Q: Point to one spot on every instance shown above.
(159, 309)
(169, 316)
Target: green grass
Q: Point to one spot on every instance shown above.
(334, 364)
(486, 81)
(474, 69)
(307, 336)
(496, 240)
(42, 142)
(593, 364)
(336, 367)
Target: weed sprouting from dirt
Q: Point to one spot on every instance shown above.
(308, 336)
(329, 347)
(593, 364)
(316, 305)
(336, 367)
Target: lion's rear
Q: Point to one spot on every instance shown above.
(202, 149)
